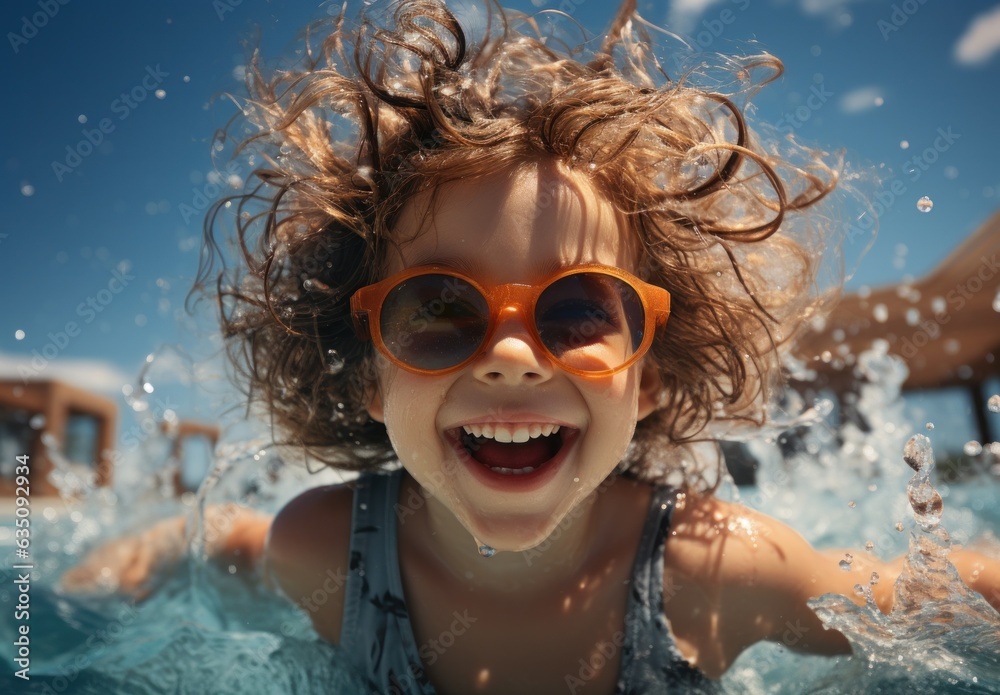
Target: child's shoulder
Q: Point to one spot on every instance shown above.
(308, 551)
(730, 538)
(734, 549)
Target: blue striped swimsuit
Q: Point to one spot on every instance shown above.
(378, 638)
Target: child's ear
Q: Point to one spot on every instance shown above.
(649, 388)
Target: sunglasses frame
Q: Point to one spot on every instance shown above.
(366, 307)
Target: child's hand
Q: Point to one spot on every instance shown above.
(128, 565)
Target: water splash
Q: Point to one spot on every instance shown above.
(949, 635)
(925, 500)
(972, 448)
(994, 402)
(334, 362)
(918, 454)
(937, 627)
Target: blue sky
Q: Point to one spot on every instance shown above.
(101, 237)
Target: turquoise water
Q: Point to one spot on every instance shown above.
(202, 632)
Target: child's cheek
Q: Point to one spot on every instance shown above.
(411, 404)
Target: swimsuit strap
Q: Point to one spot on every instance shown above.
(651, 662)
(376, 631)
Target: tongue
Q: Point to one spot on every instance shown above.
(533, 452)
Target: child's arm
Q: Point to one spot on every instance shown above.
(130, 565)
(745, 577)
(236, 535)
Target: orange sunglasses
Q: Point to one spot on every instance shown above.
(591, 320)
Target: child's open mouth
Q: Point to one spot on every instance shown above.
(515, 450)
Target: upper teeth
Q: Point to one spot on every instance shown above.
(511, 433)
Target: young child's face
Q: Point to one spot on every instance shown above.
(511, 229)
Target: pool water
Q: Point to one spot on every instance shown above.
(202, 632)
(209, 630)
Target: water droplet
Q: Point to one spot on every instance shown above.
(918, 453)
(994, 403)
(996, 302)
(926, 502)
(870, 546)
(37, 422)
(27, 190)
(972, 448)
(899, 525)
(147, 387)
(881, 313)
(874, 579)
(334, 362)
(485, 550)
(859, 590)
(925, 204)
(904, 144)
(18, 334)
(929, 425)
(845, 564)
(363, 506)
(852, 504)
(313, 284)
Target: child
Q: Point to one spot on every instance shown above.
(531, 276)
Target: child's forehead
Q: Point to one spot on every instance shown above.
(543, 212)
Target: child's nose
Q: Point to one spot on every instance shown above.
(513, 356)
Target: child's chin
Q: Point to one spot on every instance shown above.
(525, 533)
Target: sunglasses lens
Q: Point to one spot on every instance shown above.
(590, 321)
(433, 321)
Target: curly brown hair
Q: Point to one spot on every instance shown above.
(373, 115)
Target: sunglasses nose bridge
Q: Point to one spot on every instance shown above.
(512, 300)
(511, 303)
